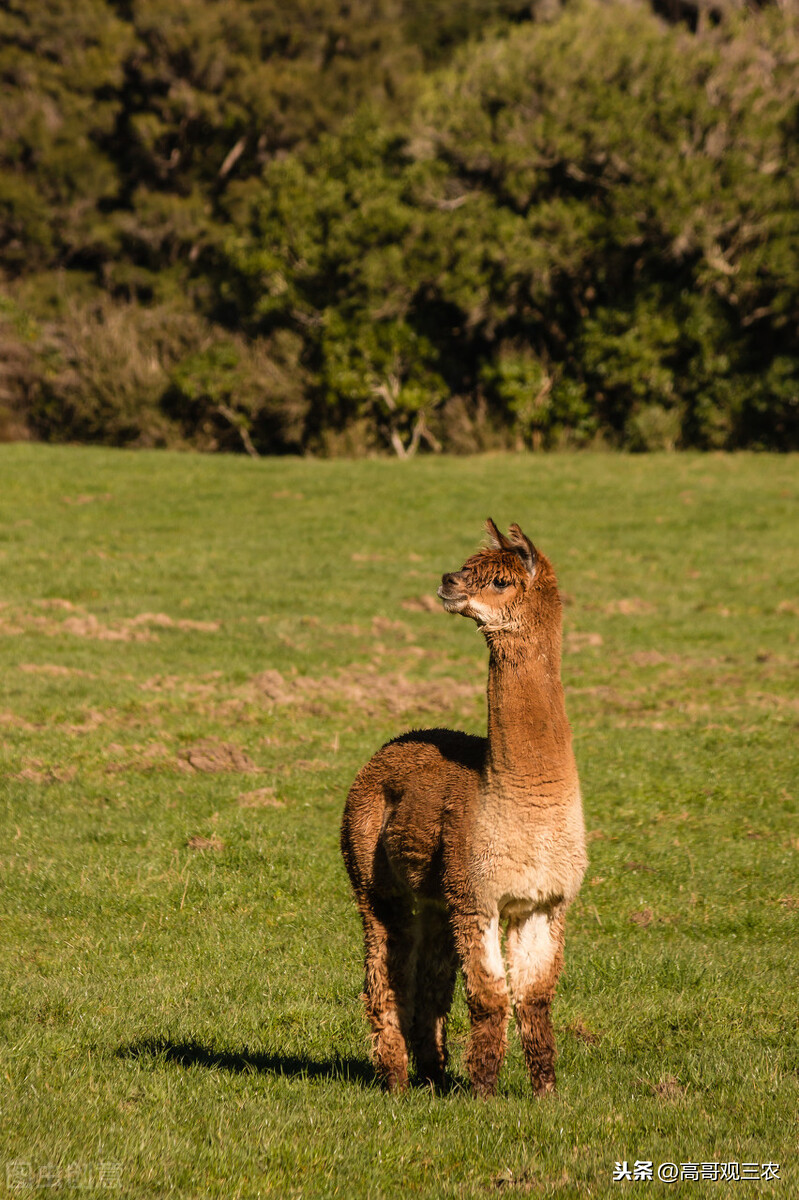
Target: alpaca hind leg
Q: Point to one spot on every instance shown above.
(478, 943)
(535, 960)
(436, 970)
(390, 938)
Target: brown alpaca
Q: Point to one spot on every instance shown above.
(449, 837)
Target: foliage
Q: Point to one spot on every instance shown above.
(234, 391)
(591, 222)
(573, 229)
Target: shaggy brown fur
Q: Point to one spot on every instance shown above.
(448, 838)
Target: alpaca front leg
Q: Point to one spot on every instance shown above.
(487, 998)
(535, 960)
(388, 994)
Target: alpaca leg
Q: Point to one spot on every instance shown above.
(535, 960)
(436, 969)
(390, 938)
(480, 953)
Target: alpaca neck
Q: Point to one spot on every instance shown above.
(529, 739)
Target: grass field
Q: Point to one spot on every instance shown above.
(197, 656)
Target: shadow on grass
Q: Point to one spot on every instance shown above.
(291, 1066)
(194, 1054)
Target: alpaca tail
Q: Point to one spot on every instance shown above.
(361, 827)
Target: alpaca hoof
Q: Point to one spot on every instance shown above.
(431, 1073)
(544, 1087)
(394, 1082)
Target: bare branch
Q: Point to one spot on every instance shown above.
(225, 411)
(232, 157)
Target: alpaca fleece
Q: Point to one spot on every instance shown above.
(451, 840)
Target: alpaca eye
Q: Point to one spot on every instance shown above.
(501, 584)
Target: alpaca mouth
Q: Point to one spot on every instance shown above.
(452, 603)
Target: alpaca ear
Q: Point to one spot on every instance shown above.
(525, 549)
(497, 540)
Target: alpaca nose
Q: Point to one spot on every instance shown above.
(448, 580)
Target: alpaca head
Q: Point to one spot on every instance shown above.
(498, 586)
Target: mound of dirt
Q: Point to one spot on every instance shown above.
(577, 640)
(370, 689)
(82, 623)
(260, 798)
(203, 843)
(210, 756)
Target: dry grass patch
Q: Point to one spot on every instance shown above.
(208, 756)
(55, 670)
(575, 641)
(668, 1087)
(384, 627)
(582, 1033)
(82, 623)
(198, 842)
(14, 721)
(649, 658)
(143, 757)
(92, 720)
(34, 772)
(211, 757)
(370, 689)
(260, 798)
(506, 1181)
(629, 606)
(421, 604)
(85, 498)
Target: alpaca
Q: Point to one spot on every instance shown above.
(448, 838)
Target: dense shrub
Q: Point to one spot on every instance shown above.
(132, 375)
(591, 225)
(272, 231)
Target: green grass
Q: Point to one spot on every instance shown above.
(190, 1013)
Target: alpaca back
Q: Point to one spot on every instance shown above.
(407, 808)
